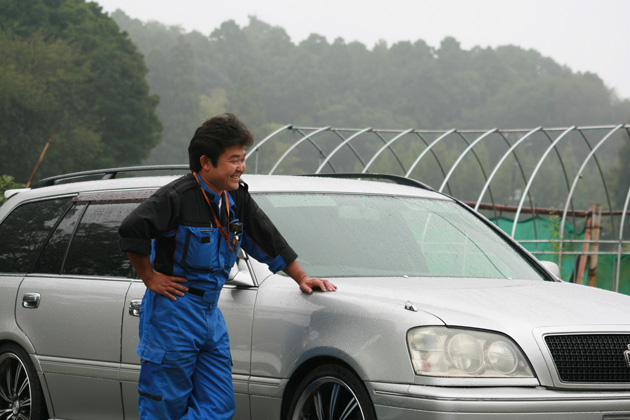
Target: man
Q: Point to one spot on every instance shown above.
(182, 242)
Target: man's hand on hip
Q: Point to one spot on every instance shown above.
(156, 282)
(164, 285)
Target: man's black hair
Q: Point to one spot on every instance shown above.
(215, 136)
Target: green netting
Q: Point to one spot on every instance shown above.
(607, 272)
(548, 249)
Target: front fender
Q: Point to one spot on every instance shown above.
(291, 328)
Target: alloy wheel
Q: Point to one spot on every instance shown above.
(328, 398)
(15, 389)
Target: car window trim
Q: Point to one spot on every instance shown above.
(41, 247)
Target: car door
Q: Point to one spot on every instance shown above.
(237, 305)
(71, 307)
(130, 361)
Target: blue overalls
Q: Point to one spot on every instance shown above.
(184, 345)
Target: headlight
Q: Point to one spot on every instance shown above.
(457, 352)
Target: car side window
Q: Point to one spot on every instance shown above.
(28, 226)
(52, 256)
(94, 250)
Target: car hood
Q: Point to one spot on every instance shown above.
(498, 304)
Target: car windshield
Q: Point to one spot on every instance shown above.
(374, 235)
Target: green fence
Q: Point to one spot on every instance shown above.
(541, 237)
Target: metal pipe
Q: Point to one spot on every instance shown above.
(462, 155)
(498, 165)
(349, 146)
(534, 210)
(385, 146)
(574, 184)
(564, 171)
(296, 144)
(601, 175)
(346, 141)
(393, 151)
(533, 176)
(427, 150)
(263, 141)
(620, 249)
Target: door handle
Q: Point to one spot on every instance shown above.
(134, 307)
(30, 300)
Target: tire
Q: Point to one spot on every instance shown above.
(331, 392)
(21, 396)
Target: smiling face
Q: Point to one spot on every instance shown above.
(225, 176)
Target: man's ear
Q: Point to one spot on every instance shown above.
(206, 163)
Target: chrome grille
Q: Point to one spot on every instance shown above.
(590, 358)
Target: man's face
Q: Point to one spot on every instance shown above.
(225, 176)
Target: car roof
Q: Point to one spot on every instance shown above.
(256, 184)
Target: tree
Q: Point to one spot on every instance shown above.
(92, 100)
(245, 101)
(7, 183)
(180, 103)
(270, 80)
(42, 97)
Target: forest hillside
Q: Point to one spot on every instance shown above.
(257, 72)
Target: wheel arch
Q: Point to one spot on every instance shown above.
(34, 361)
(25, 344)
(307, 366)
(18, 339)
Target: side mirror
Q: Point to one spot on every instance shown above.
(239, 274)
(553, 268)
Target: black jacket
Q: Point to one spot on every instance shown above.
(177, 227)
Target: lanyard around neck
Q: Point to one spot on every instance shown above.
(224, 232)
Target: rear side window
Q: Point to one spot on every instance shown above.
(53, 255)
(24, 230)
(94, 250)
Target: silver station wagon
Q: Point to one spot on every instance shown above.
(438, 314)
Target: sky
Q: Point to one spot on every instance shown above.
(585, 35)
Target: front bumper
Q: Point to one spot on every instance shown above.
(409, 402)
